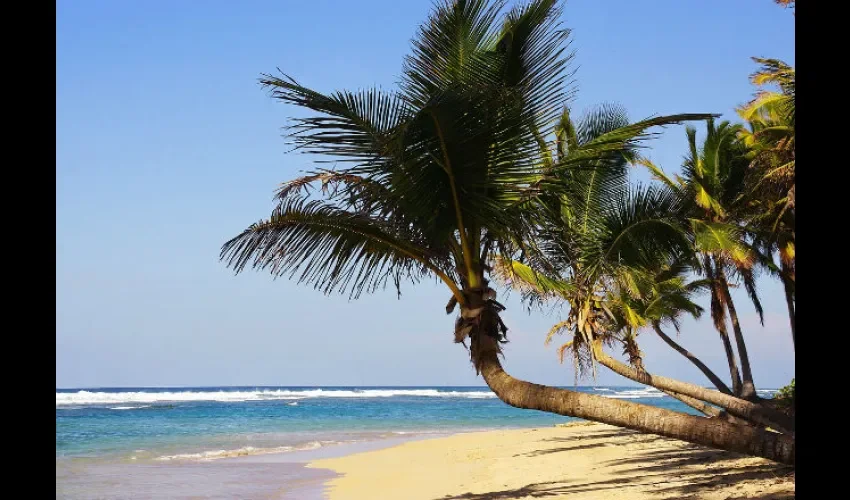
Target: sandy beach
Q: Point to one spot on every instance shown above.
(580, 461)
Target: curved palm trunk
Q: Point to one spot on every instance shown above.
(700, 406)
(719, 317)
(693, 359)
(744, 409)
(730, 358)
(748, 388)
(704, 431)
(789, 301)
(705, 408)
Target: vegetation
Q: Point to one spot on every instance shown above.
(785, 397)
(475, 169)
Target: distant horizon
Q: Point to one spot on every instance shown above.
(333, 386)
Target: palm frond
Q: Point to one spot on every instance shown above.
(334, 249)
(353, 126)
(658, 174)
(556, 329)
(450, 50)
(528, 281)
(717, 238)
(750, 285)
(534, 48)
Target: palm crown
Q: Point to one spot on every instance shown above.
(443, 172)
(458, 168)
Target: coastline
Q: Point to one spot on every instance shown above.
(283, 475)
(580, 461)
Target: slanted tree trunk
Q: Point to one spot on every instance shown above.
(744, 409)
(479, 321)
(748, 388)
(706, 409)
(693, 359)
(718, 315)
(704, 431)
(711, 432)
(789, 301)
(700, 406)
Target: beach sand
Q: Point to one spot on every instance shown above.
(579, 461)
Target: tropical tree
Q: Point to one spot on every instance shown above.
(713, 189)
(771, 200)
(444, 174)
(618, 254)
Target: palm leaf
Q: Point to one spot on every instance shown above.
(718, 238)
(333, 249)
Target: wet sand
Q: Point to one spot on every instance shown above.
(280, 476)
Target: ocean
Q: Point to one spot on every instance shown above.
(206, 442)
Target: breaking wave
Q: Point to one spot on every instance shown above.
(106, 398)
(648, 392)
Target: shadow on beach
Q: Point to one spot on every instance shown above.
(686, 473)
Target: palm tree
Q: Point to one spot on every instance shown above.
(713, 189)
(668, 297)
(771, 177)
(617, 255)
(444, 174)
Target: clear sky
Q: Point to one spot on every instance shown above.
(166, 147)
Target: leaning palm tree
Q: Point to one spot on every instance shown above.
(443, 174)
(712, 187)
(668, 296)
(616, 255)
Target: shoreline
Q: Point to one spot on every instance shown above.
(278, 474)
(577, 460)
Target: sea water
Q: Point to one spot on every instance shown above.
(214, 442)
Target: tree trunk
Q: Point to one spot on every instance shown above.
(700, 406)
(704, 431)
(706, 409)
(744, 409)
(718, 314)
(730, 358)
(789, 301)
(693, 359)
(748, 388)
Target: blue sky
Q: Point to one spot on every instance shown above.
(166, 147)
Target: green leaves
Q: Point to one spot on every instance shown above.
(452, 49)
(437, 174)
(333, 249)
(353, 126)
(529, 281)
(717, 238)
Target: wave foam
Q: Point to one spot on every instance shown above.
(206, 456)
(105, 398)
(647, 392)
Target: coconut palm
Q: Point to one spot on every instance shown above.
(771, 178)
(713, 189)
(617, 255)
(444, 173)
(668, 296)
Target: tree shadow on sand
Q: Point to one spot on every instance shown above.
(587, 446)
(686, 473)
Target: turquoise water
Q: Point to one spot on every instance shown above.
(252, 442)
(210, 422)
